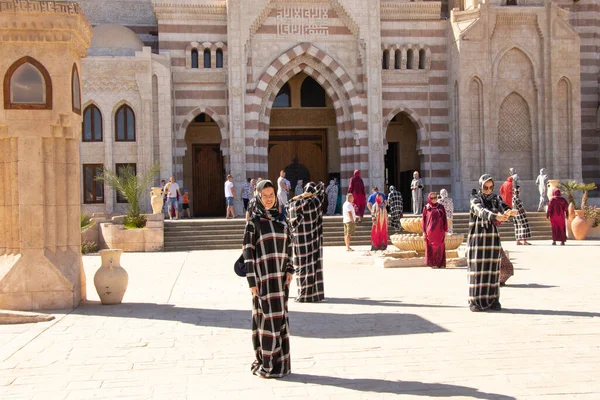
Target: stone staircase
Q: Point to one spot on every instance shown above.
(219, 233)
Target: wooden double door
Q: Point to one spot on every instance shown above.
(307, 146)
(209, 181)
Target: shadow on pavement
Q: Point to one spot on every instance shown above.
(551, 312)
(364, 301)
(302, 324)
(412, 388)
(529, 286)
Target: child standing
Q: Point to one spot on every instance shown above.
(186, 204)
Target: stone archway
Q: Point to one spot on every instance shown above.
(350, 118)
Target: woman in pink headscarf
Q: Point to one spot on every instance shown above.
(558, 212)
(435, 226)
(357, 188)
(379, 232)
(506, 191)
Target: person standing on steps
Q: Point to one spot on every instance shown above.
(229, 197)
(332, 195)
(349, 219)
(416, 186)
(357, 188)
(396, 208)
(172, 195)
(268, 260)
(282, 192)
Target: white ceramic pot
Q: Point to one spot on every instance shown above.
(111, 279)
(156, 199)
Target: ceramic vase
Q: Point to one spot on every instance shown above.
(156, 200)
(570, 219)
(111, 279)
(580, 226)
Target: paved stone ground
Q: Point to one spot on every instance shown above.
(183, 333)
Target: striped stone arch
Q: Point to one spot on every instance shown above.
(414, 117)
(216, 117)
(350, 116)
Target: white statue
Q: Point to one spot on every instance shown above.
(542, 182)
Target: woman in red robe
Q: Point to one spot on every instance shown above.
(379, 232)
(558, 212)
(357, 188)
(435, 226)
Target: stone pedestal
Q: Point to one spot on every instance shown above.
(40, 239)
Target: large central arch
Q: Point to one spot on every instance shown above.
(350, 117)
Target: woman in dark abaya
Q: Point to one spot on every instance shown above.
(268, 261)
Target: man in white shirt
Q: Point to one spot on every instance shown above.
(172, 190)
(229, 197)
(282, 191)
(349, 218)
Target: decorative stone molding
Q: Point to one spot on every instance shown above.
(468, 15)
(173, 10)
(200, 76)
(411, 11)
(404, 77)
(73, 28)
(112, 84)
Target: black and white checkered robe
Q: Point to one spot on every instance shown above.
(268, 257)
(483, 250)
(306, 223)
(395, 202)
(522, 229)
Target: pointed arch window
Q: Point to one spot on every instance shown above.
(409, 59)
(398, 59)
(91, 131)
(206, 58)
(422, 59)
(27, 86)
(75, 91)
(312, 94)
(219, 58)
(194, 58)
(385, 63)
(283, 98)
(125, 124)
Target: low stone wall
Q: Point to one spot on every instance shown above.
(594, 233)
(113, 235)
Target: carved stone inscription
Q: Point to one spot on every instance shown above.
(302, 20)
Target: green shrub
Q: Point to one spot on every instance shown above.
(89, 246)
(86, 220)
(134, 221)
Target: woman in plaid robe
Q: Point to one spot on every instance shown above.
(483, 246)
(522, 229)
(268, 261)
(395, 202)
(306, 223)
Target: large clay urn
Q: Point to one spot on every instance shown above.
(111, 279)
(571, 217)
(156, 200)
(580, 226)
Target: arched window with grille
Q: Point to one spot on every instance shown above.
(194, 58)
(284, 97)
(125, 124)
(219, 58)
(206, 58)
(385, 62)
(312, 94)
(422, 59)
(409, 59)
(91, 131)
(27, 86)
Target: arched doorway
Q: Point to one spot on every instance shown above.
(203, 167)
(402, 157)
(303, 136)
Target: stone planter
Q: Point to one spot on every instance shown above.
(111, 279)
(113, 235)
(412, 225)
(580, 226)
(414, 242)
(156, 199)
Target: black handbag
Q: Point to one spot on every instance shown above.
(240, 267)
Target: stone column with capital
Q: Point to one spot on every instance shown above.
(40, 130)
(374, 104)
(236, 81)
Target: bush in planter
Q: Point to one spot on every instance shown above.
(131, 187)
(89, 246)
(569, 188)
(86, 220)
(586, 187)
(592, 214)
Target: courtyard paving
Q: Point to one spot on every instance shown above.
(183, 333)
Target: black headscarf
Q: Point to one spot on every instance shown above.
(260, 210)
(485, 178)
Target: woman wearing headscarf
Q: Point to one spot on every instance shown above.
(306, 224)
(379, 232)
(448, 204)
(522, 229)
(299, 189)
(357, 188)
(483, 246)
(332, 196)
(395, 202)
(268, 260)
(416, 186)
(558, 212)
(506, 191)
(435, 225)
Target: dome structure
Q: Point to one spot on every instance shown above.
(114, 40)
